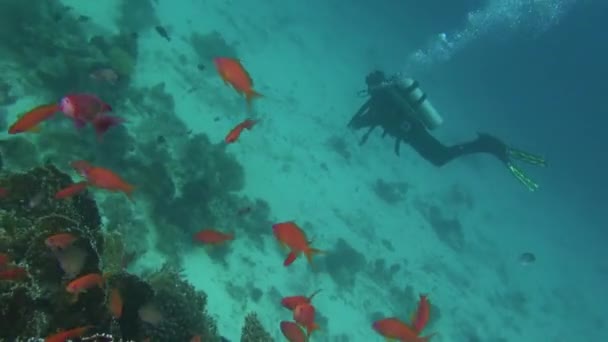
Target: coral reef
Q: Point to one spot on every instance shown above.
(448, 231)
(38, 304)
(211, 45)
(253, 331)
(343, 263)
(61, 60)
(28, 215)
(182, 308)
(390, 192)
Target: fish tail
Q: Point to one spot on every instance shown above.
(128, 190)
(250, 95)
(313, 327)
(312, 251)
(104, 122)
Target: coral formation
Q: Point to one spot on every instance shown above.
(253, 331)
(211, 45)
(343, 262)
(28, 215)
(390, 192)
(39, 305)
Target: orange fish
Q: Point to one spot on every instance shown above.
(13, 273)
(30, 120)
(67, 334)
(71, 190)
(291, 236)
(115, 303)
(232, 72)
(103, 178)
(292, 332)
(82, 284)
(304, 315)
(212, 237)
(60, 241)
(393, 328)
(195, 338)
(293, 301)
(235, 133)
(422, 315)
(3, 192)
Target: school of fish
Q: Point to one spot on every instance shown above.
(88, 108)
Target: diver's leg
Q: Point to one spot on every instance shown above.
(429, 148)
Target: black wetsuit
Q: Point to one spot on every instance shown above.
(381, 110)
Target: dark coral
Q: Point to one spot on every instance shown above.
(182, 307)
(448, 230)
(28, 215)
(211, 45)
(39, 304)
(390, 192)
(62, 58)
(253, 331)
(343, 263)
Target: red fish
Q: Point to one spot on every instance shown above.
(29, 121)
(292, 332)
(293, 301)
(234, 134)
(291, 236)
(115, 303)
(84, 283)
(232, 72)
(13, 273)
(67, 334)
(85, 108)
(304, 315)
(422, 315)
(71, 190)
(103, 178)
(212, 237)
(3, 192)
(60, 241)
(196, 338)
(393, 328)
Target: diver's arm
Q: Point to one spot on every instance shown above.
(362, 110)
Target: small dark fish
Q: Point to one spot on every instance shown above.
(527, 258)
(84, 18)
(161, 139)
(216, 119)
(201, 66)
(163, 33)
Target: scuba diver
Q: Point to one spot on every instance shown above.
(402, 110)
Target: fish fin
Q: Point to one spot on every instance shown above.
(79, 124)
(104, 122)
(313, 295)
(291, 257)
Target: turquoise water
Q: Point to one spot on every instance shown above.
(516, 69)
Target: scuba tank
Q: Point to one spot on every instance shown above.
(408, 95)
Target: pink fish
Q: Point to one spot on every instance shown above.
(87, 108)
